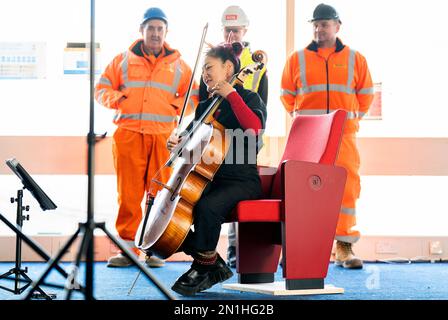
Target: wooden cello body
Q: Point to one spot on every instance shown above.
(171, 215)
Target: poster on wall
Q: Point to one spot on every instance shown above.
(22, 60)
(77, 57)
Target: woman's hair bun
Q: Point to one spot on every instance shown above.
(227, 51)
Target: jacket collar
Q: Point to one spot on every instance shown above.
(170, 54)
(339, 46)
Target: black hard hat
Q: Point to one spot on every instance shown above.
(325, 12)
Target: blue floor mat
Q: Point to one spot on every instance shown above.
(420, 281)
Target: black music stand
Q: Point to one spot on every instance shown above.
(87, 228)
(19, 274)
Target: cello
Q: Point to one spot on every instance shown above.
(194, 162)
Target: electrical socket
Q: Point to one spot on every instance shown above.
(385, 247)
(435, 247)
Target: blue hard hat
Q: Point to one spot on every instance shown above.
(154, 13)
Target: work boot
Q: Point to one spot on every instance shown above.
(345, 256)
(231, 256)
(202, 277)
(119, 261)
(154, 262)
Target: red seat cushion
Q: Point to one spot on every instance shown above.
(266, 210)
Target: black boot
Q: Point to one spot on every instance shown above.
(202, 277)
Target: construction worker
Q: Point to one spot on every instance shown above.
(325, 76)
(235, 24)
(146, 85)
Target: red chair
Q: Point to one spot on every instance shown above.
(300, 209)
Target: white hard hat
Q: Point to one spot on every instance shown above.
(234, 16)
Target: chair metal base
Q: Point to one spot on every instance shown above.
(255, 277)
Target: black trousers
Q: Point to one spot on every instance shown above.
(214, 208)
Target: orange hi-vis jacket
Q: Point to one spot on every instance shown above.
(312, 84)
(155, 89)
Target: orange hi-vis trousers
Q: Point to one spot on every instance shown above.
(137, 158)
(348, 158)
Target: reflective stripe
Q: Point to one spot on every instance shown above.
(124, 66)
(361, 114)
(149, 84)
(351, 115)
(135, 84)
(342, 88)
(194, 94)
(350, 211)
(100, 95)
(255, 80)
(105, 81)
(129, 243)
(177, 76)
(191, 103)
(285, 92)
(302, 67)
(323, 88)
(145, 116)
(313, 88)
(348, 89)
(314, 112)
(348, 239)
(351, 67)
(366, 91)
(162, 86)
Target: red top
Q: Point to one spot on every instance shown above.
(245, 116)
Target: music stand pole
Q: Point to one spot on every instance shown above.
(17, 271)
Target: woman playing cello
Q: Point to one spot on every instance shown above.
(244, 114)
